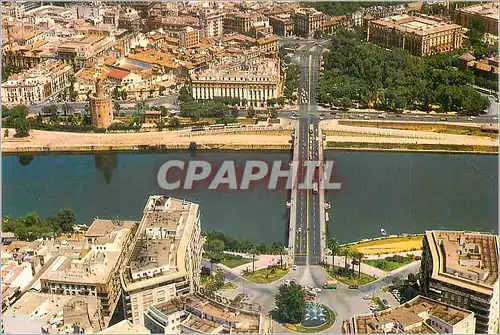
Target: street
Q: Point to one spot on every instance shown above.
(308, 232)
(126, 106)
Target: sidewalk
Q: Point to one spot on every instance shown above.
(261, 262)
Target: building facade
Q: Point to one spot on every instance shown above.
(166, 259)
(461, 269)
(37, 84)
(307, 21)
(255, 83)
(94, 271)
(212, 22)
(420, 315)
(283, 24)
(487, 13)
(101, 107)
(421, 36)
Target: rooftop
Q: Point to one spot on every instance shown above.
(417, 25)
(125, 327)
(489, 9)
(164, 232)
(410, 315)
(465, 259)
(35, 310)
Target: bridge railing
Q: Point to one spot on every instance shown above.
(236, 130)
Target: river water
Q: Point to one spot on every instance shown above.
(400, 192)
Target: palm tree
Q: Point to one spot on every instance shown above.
(344, 252)
(360, 258)
(333, 245)
(253, 251)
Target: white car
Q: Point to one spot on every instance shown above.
(317, 290)
(287, 282)
(294, 267)
(494, 118)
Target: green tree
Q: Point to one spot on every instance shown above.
(116, 108)
(6, 132)
(185, 95)
(5, 111)
(115, 94)
(87, 109)
(174, 122)
(251, 112)
(290, 301)
(123, 95)
(333, 245)
(65, 220)
(214, 251)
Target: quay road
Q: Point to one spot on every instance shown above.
(308, 237)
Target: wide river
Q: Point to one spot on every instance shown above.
(400, 192)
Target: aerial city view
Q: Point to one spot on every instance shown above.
(228, 167)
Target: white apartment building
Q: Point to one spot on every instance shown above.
(212, 22)
(95, 270)
(37, 84)
(256, 82)
(461, 269)
(165, 261)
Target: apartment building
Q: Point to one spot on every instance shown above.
(283, 24)
(198, 313)
(94, 271)
(420, 35)
(36, 84)
(420, 315)
(307, 21)
(42, 313)
(461, 269)
(211, 22)
(189, 38)
(165, 261)
(246, 23)
(256, 81)
(486, 12)
(80, 51)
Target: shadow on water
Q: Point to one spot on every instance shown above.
(25, 160)
(107, 164)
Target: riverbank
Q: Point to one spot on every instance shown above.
(352, 138)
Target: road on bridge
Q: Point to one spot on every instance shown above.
(307, 248)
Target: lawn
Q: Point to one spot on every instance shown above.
(301, 329)
(389, 245)
(390, 263)
(349, 277)
(265, 276)
(229, 286)
(235, 262)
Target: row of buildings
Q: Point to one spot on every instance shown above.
(459, 278)
(147, 270)
(423, 35)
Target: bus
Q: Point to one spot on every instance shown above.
(315, 188)
(197, 128)
(216, 126)
(233, 125)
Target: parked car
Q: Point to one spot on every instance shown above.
(366, 117)
(295, 267)
(353, 287)
(444, 119)
(336, 117)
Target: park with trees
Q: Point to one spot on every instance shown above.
(31, 226)
(360, 72)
